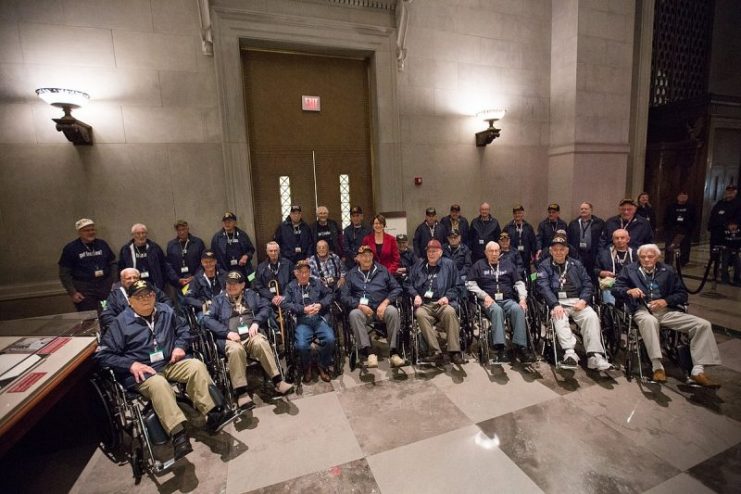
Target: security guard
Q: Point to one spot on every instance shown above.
(232, 246)
(207, 283)
(454, 221)
(147, 256)
(429, 229)
(118, 299)
(548, 228)
(724, 211)
(184, 253)
(352, 235)
(731, 255)
(484, 229)
(326, 229)
(86, 267)
(522, 236)
(679, 224)
(294, 236)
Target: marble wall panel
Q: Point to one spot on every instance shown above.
(16, 124)
(44, 128)
(134, 15)
(175, 17)
(441, 74)
(15, 87)
(414, 100)
(164, 125)
(10, 43)
(45, 11)
(602, 24)
(106, 120)
(155, 51)
(197, 89)
(66, 45)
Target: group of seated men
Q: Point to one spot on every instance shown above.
(146, 344)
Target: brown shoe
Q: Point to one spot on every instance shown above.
(659, 376)
(307, 375)
(324, 375)
(704, 381)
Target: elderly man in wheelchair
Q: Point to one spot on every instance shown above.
(567, 289)
(146, 347)
(234, 318)
(655, 294)
(497, 285)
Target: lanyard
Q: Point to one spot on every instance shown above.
(431, 278)
(304, 295)
(650, 285)
(150, 325)
(367, 277)
(584, 229)
(229, 240)
(621, 262)
(554, 226)
(496, 274)
(134, 251)
(432, 230)
(184, 249)
(562, 276)
(274, 271)
(624, 226)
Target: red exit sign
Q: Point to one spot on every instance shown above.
(311, 103)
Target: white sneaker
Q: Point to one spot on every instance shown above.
(597, 361)
(396, 361)
(372, 361)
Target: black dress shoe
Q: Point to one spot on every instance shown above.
(500, 357)
(457, 359)
(181, 444)
(525, 356)
(219, 418)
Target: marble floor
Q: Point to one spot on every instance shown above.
(458, 429)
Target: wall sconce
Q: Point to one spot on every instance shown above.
(77, 132)
(487, 136)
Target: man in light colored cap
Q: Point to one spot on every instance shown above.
(86, 267)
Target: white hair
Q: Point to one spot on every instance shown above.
(647, 247)
(272, 243)
(126, 271)
(491, 245)
(137, 226)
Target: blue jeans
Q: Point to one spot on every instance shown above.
(608, 297)
(511, 309)
(308, 328)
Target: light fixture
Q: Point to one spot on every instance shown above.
(487, 136)
(77, 132)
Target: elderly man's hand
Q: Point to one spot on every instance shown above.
(177, 354)
(77, 297)
(140, 371)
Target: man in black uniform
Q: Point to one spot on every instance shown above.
(548, 228)
(353, 235)
(406, 255)
(454, 221)
(522, 236)
(484, 229)
(638, 228)
(184, 253)
(328, 230)
(294, 236)
(731, 255)
(679, 222)
(725, 210)
(86, 267)
(232, 246)
(585, 233)
(429, 229)
(147, 256)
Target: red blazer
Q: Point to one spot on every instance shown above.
(389, 257)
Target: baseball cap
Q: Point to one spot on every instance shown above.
(434, 244)
(303, 263)
(180, 223)
(517, 207)
(364, 248)
(430, 212)
(402, 238)
(503, 235)
(454, 233)
(235, 277)
(83, 222)
(455, 207)
(356, 210)
(628, 200)
(295, 207)
(558, 239)
(229, 216)
(553, 206)
(139, 286)
(208, 254)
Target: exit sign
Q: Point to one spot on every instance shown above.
(311, 103)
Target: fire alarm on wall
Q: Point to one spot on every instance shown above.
(417, 180)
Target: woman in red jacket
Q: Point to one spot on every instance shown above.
(384, 247)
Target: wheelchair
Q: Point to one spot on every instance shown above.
(130, 431)
(417, 345)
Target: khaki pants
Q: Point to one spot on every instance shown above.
(703, 348)
(428, 314)
(157, 389)
(258, 348)
(588, 323)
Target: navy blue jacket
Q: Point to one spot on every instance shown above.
(422, 235)
(549, 285)
(381, 285)
(216, 319)
(463, 227)
(639, 230)
(448, 282)
(514, 257)
(315, 291)
(480, 234)
(461, 257)
(604, 261)
(129, 340)
(485, 277)
(407, 259)
(155, 264)
(331, 233)
(118, 301)
(83, 261)
(669, 285)
(546, 231)
(200, 289)
(723, 211)
(292, 246)
(527, 239)
(679, 219)
(189, 257)
(352, 237)
(573, 233)
(230, 248)
(265, 275)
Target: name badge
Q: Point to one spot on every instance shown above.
(481, 242)
(243, 329)
(184, 269)
(521, 248)
(680, 218)
(156, 356)
(582, 245)
(272, 289)
(329, 280)
(305, 295)
(498, 296)
(98, 273)
(363, 300)
(562, 295)
(144, 274)
(428, 294)
(234, 262)
(297, 249)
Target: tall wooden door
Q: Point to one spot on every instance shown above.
(304, 157)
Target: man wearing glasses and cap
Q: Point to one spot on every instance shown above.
(235, 318)
(232, 246)
(429, 229)
(352, 236)
(294, 236)
(207, 283)
(146, 347)
(86, 267)
(454, 221)
(184, 253)
(638, 228)
(118, 299)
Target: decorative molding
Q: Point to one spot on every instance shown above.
(589, 148)
(31, 290)
(402, 23)
(207, 35)
(387, 5)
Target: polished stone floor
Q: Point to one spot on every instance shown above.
(458, 429)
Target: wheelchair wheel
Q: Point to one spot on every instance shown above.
(105, 419)
(137, 463)
(611, 331)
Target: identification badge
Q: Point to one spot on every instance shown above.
(521, 248)
(144, 274)
(562, 295)
(680, 218)
(582, 245)
(363, 300)
(243, 329)
(98, 273)
(498, 296)
(329, 280)
(234, 262)
(184, 269)
(156, 356)
(305, 295)
(428, 294)
(481, 242)
(272, 290)
(297, 249)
